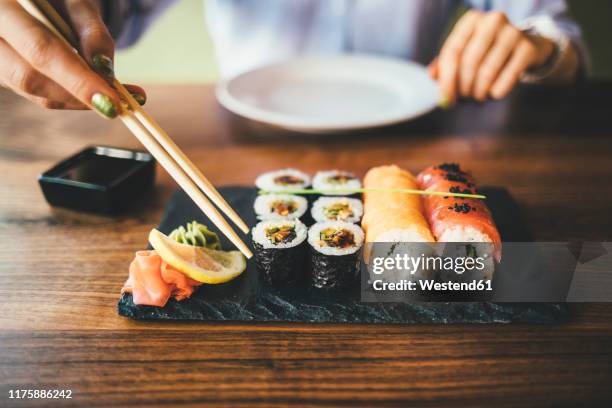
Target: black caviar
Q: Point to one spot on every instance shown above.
(462, 208)
(456, 177)
(458, 190)
(450, 167)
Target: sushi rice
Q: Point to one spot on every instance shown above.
(320, 210)
(265, 206)
(482, 243)
(335, 180)
(260, 237)
(282, 180)
(335, 267)
(314, 237)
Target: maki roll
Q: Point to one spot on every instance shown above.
(336, 182)
(335, 248)
(391, 216)
(451, 172)
(465, 221)
(394, 222)
(457, 219)
(280, 251)
(337, 209)
(280, 207)
(282, 180)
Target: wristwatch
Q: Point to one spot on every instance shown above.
(544, 26)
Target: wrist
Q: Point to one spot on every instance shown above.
(561, 64)
(546, 51)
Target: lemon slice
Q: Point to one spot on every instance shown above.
(199, 263)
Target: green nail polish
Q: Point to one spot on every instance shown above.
(104, 105)
(444, 103)
(140, 98)
(104, 65)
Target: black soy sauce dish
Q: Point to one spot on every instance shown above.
(99, 179)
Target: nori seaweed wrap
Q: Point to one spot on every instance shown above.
(280, 251)
(334, 254)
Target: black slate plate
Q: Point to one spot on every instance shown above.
(247, 298)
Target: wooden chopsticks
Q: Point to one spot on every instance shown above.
(154, 138)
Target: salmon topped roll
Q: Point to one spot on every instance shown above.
(394, 221)
(457, 219)
(389, 215)
(450, 172)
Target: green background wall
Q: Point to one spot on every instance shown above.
(177, 48)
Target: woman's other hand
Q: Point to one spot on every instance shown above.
(485, 55)
(38, 66)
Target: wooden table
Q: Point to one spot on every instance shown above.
(61, 272)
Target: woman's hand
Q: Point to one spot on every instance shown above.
(38, 66)
(484, 56)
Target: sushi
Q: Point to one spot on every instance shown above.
(280, 250)
(392, 216)
(456, 219)
(334, 254)
(280, 207)
(335, 182)
(459, 219)
(337, 209)
(282, 180)
(394, 222)
(445, 171)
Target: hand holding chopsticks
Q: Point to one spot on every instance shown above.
(154, 138)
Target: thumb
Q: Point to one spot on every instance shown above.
(96, 43)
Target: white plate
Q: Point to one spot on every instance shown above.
(331, 94)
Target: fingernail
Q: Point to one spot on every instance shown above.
(104, 105)
(140, 98)
(444, 103)
(104, 65)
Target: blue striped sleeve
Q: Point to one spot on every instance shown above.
(127, 20)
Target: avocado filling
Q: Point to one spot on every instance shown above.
(336, 238)
(339, 211)
(340, 179)
(283, 208)
(288, 180)
(281, 235)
